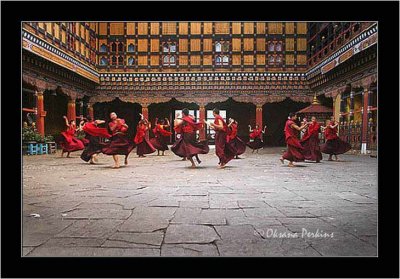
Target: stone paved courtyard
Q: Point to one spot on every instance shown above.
(158, 206)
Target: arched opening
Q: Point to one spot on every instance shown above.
(56, 106)
(243, 113)
(275, 116)
(167, 110)
(128, 111)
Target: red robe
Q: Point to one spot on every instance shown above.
(93, 135)
(143, 144)
(187, 146)
(160, 138)
(294, 151)
(257, 142)
(70, 142)
(333, 144)
(233, 140)
(310, 143)
(120, 143)
(224, 151)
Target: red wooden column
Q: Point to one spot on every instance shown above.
(90, 111)
(365, 112)
(71, 112)
(41, 114)
(259, 118)
(202, 116)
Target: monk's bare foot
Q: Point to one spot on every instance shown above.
(115, 166)
(192, 166)
(91, 162)
(282, 160)
(183, 159)
(330, 159)
(94, 158)
(290, 165)
(222, 166)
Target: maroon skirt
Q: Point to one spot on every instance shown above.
(335, 147)
(93, 147)
(187, 146)
(119, 145)
(145, 147)
(294, 151)
(256, 144)
(70, 143)
(159, 143)
(238, 145)
(311, 149)
(224, 151)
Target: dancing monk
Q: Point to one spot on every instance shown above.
(256, 136)
(187, 146)
(294, 151)
(143, 146)
(120, 143)
(310, 142)
(161, 136)
(333, 145)
(233, 140)
(70, 143)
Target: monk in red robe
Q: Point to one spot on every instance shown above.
(70, 143)
(161, 136)
(187, 146)
(233, 139)
(333, 144)
(224, 151)
(93, 134)
(310, 142)
(294, 151)
(256, 135)
(143, 145)
(120, 143)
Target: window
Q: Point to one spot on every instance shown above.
(222, 47)
(120, 47)
(226, 47)
(131, 48)
(103, 61)
(131, 61)
(114, 60)
(271, 46)
(278, 46)
(103, 48)
(217, 47)
(271, 60)
(120, 60)
(114, 47)
(225, 60)
(165, 47)
(169, 48)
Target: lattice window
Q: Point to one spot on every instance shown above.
(131, 48)
(114, 47)
(222, 48)
(103, 48)
(103, 61)
(131, 61)
(218, 47)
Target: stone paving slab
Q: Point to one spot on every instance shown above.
(159, 206)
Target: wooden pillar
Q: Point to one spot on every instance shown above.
(259, 118)
(202, 116)
(40, 114)
(71, 112)
(90, 111)
(365, 112)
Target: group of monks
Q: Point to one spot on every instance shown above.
(308, 147)
(227, 144)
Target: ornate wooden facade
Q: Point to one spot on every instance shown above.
(202, 63)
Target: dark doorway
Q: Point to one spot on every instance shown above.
(167, 110)
(128, 111)
(56, 106)
(275, 116)
(243, 113)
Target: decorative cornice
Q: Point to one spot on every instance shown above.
(364, 36)
(42, 48)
